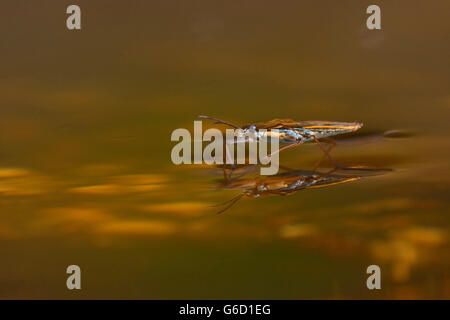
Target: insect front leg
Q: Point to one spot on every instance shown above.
(289, 146)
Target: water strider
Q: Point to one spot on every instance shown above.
(294, 133)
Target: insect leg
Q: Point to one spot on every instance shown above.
(231, 203)
(333, 144)
(226, 176)
(248, 170)
(294, 144)
(335, 164)
(253, 166)
(227, 159)
(326, 152)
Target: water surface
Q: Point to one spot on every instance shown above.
(85, 170)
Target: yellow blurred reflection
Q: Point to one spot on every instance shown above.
(298, 230)
(68, 215)
(186, 208)
(23, 182)
(424, 236)
(137, 227)
(141, 179)
(13, 172)
(401, 254)
(106, 189)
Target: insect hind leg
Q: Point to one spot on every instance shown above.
(333, 161)
(332, 145)
(327, 153)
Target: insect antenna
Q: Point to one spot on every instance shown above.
(219, 121)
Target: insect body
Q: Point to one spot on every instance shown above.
(291, 130)
(294, 133)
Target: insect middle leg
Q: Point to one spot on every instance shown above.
(292, 145)
(252, 166)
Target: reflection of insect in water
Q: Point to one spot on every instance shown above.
(293, 133)
(290, 182)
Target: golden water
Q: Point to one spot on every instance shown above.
(85, 170)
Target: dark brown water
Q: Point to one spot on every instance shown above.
(85, 170)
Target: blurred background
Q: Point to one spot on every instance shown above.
(86, 176)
